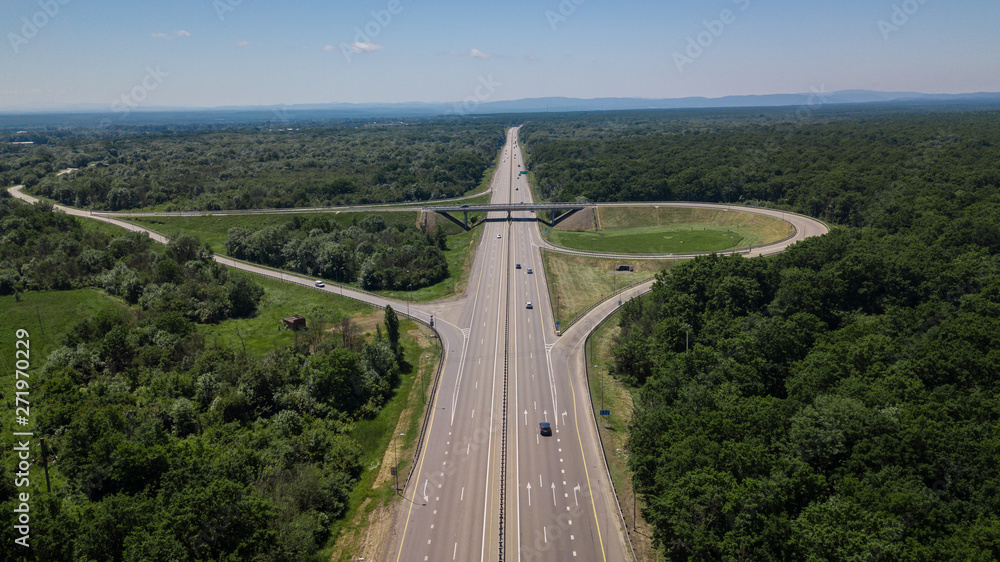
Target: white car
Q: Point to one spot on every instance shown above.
(498, 236)
(528, 305)
(320, 284)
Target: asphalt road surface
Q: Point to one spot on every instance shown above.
(558, 504)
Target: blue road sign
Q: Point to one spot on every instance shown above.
(605, 412)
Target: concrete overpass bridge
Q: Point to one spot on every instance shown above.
(559, 210)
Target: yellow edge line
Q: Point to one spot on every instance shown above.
(576, 422)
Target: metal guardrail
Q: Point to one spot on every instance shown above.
(597, 428)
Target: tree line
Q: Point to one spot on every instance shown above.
(841, 400)
(371, 252)
(262, 167)
(170, 447)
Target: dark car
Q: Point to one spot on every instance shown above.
(517, 266)
(544, 428)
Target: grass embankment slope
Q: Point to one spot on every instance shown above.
(581, 281)
(667, 230)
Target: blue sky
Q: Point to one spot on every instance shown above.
(257, 52)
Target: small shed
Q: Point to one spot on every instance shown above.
(295, 321)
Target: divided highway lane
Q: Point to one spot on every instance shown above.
(561, 508)
(452, 503)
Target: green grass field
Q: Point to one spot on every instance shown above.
(668, 230)
(649, 240)
(48, 317)
(265, 331)
(581, 281)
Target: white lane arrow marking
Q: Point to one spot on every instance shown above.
(529, 494)
(426, 499)
(526, 416)
(564, 418)
(553, 493)
(575, 490)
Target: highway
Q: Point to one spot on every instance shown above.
(556, 502)
(484, 471)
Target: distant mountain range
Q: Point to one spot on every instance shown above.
(300, 112)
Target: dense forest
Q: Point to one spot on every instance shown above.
(840, 401)
(169, 447)
(260, 167)
(374, 254)
(844, 165)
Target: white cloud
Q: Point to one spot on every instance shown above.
(329, 48)
(472, 54)
(365, 47)
(179, 33)
(242, 43)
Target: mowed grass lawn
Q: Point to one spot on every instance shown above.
(581, 281)
(668, 230)
(649, 239)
